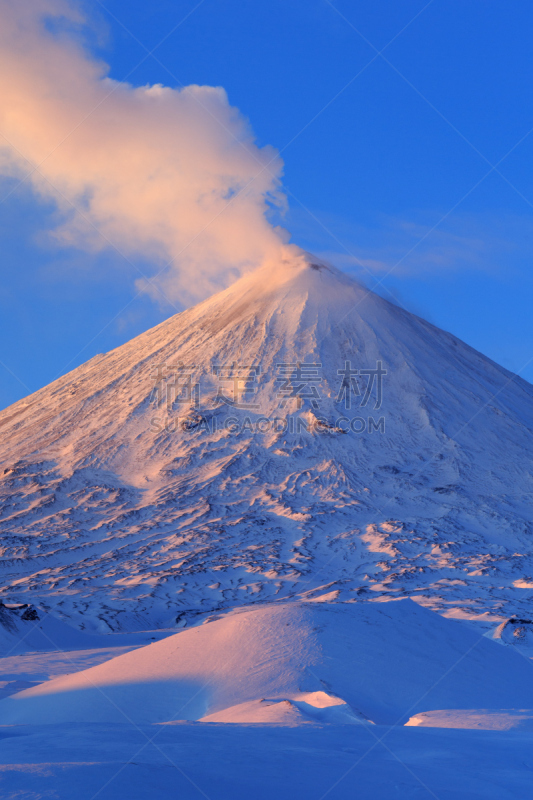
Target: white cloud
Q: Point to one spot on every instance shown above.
(422, 244)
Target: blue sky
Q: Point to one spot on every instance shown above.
(403, 128)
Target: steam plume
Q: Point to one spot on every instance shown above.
(174, 175)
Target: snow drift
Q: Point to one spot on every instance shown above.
(291, 663)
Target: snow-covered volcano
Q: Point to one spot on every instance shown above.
(293, 436)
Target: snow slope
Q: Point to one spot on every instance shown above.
(116, 518)
(291, 663)
(28, 630)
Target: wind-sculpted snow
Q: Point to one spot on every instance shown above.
(291, 663)
(137, 490)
